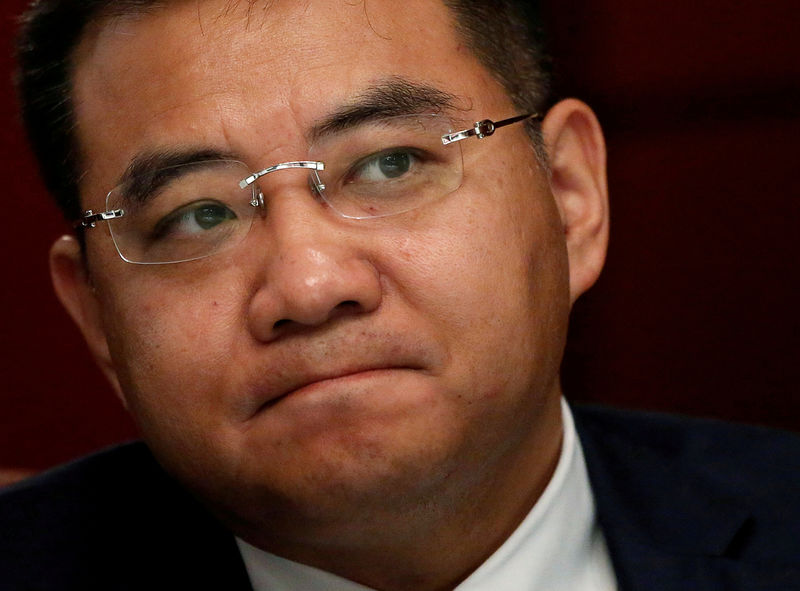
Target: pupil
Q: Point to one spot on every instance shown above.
(395, 164)
(209, 216)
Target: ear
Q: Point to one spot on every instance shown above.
(74, 289)
(577, 158)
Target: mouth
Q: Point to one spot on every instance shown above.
(316, 383)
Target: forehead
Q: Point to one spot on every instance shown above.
(231, 75)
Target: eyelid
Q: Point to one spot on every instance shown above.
(165, 224)
(359, 164)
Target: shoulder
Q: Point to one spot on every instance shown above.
(95, 486)
(56, 524)
(694, 484)
(703, 444)
(108, 521)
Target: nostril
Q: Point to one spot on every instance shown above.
(346, 307)
(343, 308)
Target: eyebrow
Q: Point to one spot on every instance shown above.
(149, 171)
(389, 98)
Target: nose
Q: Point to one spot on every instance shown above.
(314, 269)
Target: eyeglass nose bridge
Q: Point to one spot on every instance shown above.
(313, 165)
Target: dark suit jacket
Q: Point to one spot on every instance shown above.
(685, 505)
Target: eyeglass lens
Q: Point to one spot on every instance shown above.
(374, 169)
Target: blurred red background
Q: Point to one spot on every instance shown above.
(696, 311)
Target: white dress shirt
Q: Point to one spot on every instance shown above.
(557, 547)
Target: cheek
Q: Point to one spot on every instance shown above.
(490, 274)
(168, 339)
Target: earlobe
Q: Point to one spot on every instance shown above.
(577, 159)
(74, 289)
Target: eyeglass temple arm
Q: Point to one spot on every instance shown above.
(485, 128)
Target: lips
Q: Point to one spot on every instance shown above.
(291, 369)
(307, 382)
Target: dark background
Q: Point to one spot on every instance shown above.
(696, 311)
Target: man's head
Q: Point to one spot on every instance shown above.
(328, 375)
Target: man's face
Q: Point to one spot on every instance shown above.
(324, 362)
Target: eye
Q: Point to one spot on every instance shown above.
(384, 166)
(193, 219)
